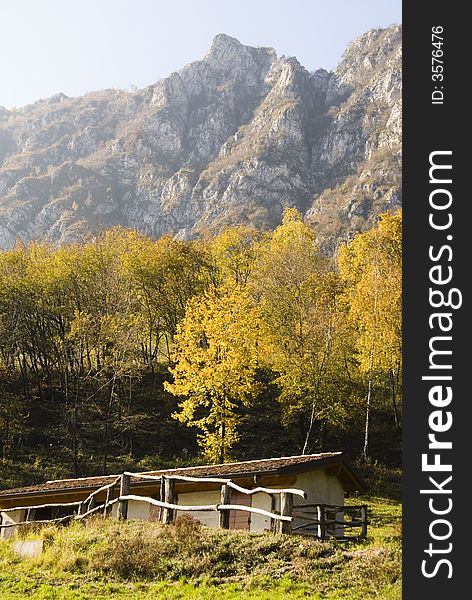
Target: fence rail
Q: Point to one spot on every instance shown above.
(321, 520)
(329, 520)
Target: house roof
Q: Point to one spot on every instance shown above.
(284, 465)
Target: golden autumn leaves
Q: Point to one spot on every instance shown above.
(222, 319)
(279, 305)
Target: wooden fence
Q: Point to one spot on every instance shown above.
(316, 517)
(329, 520)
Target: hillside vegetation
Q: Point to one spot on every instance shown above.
(124, 352)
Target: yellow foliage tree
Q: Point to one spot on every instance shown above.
(371, 267)
(305, 342)
(216, 361)
(234, 253)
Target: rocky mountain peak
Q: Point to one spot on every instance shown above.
(57, 98)
(375, 48)
(222, 43)
(226, 54)
(232, 138)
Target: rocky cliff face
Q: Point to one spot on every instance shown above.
(232, 138)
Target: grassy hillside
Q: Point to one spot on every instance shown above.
(108, 559)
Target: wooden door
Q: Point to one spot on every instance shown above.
(239, 519)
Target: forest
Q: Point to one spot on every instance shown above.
(123, 351)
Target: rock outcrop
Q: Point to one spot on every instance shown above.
(232, 138)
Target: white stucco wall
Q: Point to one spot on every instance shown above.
(260, 522)
(15, 516)
(320, 489)
(138, 511)
(208, 518)
(211, 519)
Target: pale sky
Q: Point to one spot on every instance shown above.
(77, 46)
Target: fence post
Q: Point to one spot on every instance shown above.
(92, 503)
(364, 521)
(169, 496)
(30, 514)
(273, 522)
(225, 499)
(162, 498)
(124, 491)
(109, 497)
(321, 521)
(286, 509)
(160, 514)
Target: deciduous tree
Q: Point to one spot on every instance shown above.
(371, 266)
(216, 361)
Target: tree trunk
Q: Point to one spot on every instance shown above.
(222, 452)
(107, 425)
(393, 395)
(367, 411)
(310, 428)
(371, 378)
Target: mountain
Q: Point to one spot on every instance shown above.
(232, 138)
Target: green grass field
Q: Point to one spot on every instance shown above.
(107, 559)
